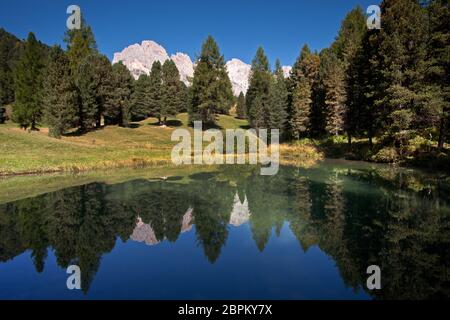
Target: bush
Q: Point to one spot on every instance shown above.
(386, 155)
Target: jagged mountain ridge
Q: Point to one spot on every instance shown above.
(138, 58)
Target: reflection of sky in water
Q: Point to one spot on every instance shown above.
(179, 271)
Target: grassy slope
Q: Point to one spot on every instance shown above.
(110, 147)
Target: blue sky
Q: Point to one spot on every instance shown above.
(239, 26)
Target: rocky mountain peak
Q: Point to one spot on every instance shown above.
(139, 58)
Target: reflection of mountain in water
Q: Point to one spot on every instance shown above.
(400, 222)
(240, 213)
(143, 232)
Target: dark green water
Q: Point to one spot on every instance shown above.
(233, 234)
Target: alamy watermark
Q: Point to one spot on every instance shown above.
(74, 20)
(374, 18)
(192, 151)
(374, 280)
(74, 280)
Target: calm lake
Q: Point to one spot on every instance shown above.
(230, 233)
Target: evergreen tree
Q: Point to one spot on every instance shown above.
(240, 108)
(28, 85)
(364, 116)
(118, 103)
(60, 94)
(211, 91)
(350, 35)
(10, 51)
(335, 97)
(302, 78)
(155, 94)
(140, 99)
(346, 48)
(258, 91)
(403, 53)
(94, 81)
(172, 91)
(300, 109)
(278, 100)
(438, 72)
(80, 44)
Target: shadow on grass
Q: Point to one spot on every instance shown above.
(169, 123)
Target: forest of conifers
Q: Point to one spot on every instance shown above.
(385, 91)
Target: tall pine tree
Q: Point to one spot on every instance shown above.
(80, 44)
(60, 94)
(438, 71)
(335, 96)
(302, 77)
(28, 76)
(403, 52)
(172, 91)
(257, 98)
(140, 100)
(94, 81)
(211, 91)
(346, 47)
(278, 100)
(155, 95)
(118, 102)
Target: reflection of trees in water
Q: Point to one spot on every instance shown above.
(407, 234)
(359, 218)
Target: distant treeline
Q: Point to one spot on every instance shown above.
(389, 85)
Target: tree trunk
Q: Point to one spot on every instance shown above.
(33, 126)
(441, 134)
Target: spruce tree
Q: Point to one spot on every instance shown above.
(94, 81)
(240, 107)
(350, 36)
(140, 100)
(438, 71)
(155, 94)
(346, 47)
(211, 91)
(118, 99)
(335, 97)
(299, 119)
(80, 44)
(172, 90)
(28, 85)
(258, 91)
(60, 95)
(278, 100)
(10, 51)
(302, 78)
(403, 52)
(364, 116)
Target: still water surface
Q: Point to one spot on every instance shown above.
(233, 234)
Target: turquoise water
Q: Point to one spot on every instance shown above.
(234, 234)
